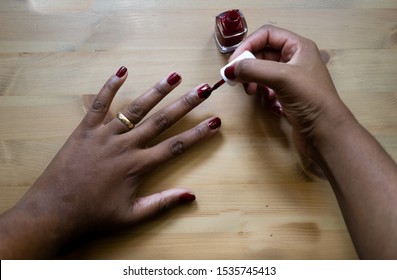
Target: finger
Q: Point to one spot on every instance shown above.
(325, 56)
(269, 54)
(262, 72)
(276, 107)
(97, 111)
(251, 88)
(271, 94)
(254, 88)
(88, 100)
(146, 207)
(269, 36)
(138, 109)
(180, 143)
(167, 116)
(269, 101)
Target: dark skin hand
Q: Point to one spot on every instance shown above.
(362, 174)
(91, 185)
(92, 182)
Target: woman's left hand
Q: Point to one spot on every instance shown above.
(92, 183)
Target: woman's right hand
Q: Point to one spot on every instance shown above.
(291, 67)
(360, 171)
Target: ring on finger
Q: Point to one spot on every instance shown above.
(125, 121)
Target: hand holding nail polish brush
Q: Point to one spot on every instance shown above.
(228, 77)
(227, 72)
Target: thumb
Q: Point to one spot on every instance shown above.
(148, 206)
(264, 72)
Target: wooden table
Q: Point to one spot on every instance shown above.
(253, 199)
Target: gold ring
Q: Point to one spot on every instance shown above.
(125, 121)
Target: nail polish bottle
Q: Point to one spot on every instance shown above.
(230, 30)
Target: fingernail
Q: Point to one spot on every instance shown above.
(229, 72)
(186, 198)
(266, 90)
(245, 85)
(277, 110)
(215, 123)
(121, 72)
(173, 79)
(204, 91)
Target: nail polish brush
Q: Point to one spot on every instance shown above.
(224, 79)
(218, 84)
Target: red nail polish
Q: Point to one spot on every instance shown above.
(215, 123)
(173, 79)
(277, 111)
(245, 85)
(230, 30)
(204, 91)
(229, 72)
(186, 198)
(121, 72)
(218, 84)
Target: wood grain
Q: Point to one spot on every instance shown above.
(253, 199)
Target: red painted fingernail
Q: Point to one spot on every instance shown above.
(121, 72)
(204, 91)
(173, 79)
(215, 123)
(245, 85)
(277, 110)
(229, 72)
(186, 198)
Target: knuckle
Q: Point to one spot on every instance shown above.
(136, 111)
(110, 87)
(121, 149)
(98, 106)
(159, 90)
(164, 204)
(199, 131)
(266, 26)
(310, 44)
(162, 121)
(177, 147)
(187, 101)
(244, 68)
(266, 29)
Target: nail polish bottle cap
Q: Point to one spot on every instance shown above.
(242, 56)
(232, 22)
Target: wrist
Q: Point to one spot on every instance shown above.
(30, 230)
(331, 130)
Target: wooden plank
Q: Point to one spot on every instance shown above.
(156, 29)
(253, 199)
(358, 70)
